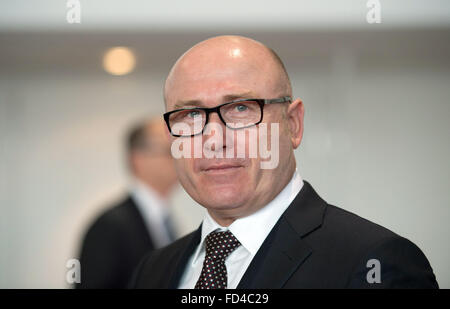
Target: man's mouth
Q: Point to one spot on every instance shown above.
(217, 168)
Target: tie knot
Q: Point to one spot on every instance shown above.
(220, 244)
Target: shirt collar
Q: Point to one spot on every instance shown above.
(251, 231)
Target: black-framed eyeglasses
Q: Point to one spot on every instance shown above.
(237, 114)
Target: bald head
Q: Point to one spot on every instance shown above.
(226, 57)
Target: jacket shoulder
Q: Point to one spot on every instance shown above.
(353, 227)
(114, 217)
(348, 236)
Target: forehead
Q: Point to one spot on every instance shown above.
(215, 82)
(220, 67)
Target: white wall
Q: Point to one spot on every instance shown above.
(376, 136)
(198, 15)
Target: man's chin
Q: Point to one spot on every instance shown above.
(224, 199)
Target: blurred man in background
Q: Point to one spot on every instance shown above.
(118, 239)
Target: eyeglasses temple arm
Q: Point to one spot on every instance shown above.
(280, 100)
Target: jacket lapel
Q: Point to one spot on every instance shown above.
(183, 257)
(284, 250)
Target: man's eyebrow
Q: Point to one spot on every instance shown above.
(245, 95)
(226, 98)
(189, 103)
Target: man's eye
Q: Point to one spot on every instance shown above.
(193, 114)
(241, 108)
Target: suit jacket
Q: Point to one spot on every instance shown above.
(313, 245)
(113, 246)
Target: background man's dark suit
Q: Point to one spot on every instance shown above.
(113, 246)
(313, 245)
(120, 237)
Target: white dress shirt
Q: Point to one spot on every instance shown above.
(154, 209)
(251, 231)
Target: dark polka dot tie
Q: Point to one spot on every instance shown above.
(219, 246)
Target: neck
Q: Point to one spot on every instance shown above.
(222, 221)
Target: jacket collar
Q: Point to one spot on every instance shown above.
(185, 253)
(284, 249)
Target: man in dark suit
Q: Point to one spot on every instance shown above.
(265, 227)
(120, 237)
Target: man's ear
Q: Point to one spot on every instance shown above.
(295, 113)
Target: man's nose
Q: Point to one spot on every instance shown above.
(215, 133)
(215, 118)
